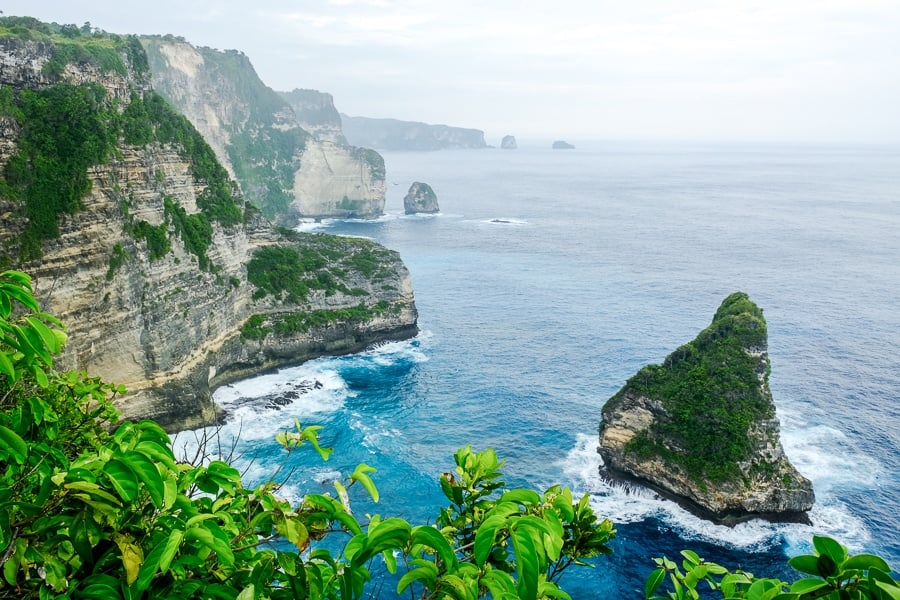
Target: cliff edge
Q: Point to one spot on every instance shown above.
(701, 428)
(139, 241)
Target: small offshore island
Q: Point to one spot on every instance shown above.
(701, 428)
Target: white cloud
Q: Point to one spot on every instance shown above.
(704, 68)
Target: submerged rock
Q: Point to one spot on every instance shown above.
(508, 142)
(420, 199)
(701, 428)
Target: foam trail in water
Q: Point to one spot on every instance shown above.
(258, 407)
(624, 503)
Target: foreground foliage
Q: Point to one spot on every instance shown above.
(835, 576)
(86, 512)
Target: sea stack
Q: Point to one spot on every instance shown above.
(508, 142)
(701, 428)
(562, 145)
(420, 199)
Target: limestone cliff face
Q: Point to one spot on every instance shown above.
(702, 426)
(393, 134)
(154, 284)
(280, 166)
(316, 114)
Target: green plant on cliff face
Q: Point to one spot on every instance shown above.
(290, 272)
(710, 393)
(65, 129)
(91, 512)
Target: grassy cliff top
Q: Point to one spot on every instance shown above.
(73, 44)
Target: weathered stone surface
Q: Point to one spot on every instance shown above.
(508, 143)
(653, 429)
(316, 114)
(220, 93)
(420, 199)
(165, 328)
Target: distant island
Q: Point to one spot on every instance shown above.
(393, 134)
(562, 145)
(701, 428)
(509, 142)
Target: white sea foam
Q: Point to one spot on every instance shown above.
(624, 503)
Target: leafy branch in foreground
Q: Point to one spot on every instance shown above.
(91, 512)
(835, 576)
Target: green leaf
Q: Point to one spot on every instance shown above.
(6, 367)
(484, 538)
(171, 548)
(149, 475)
(831, 548)
(805, 563)
(360, 474)
(864, 562)
(657, 576)
(12, 445)
(521, 496)
(425, 573)
(122, 478)
(527, 564)
(807, 584)
(826, 565)
(427, 535)
(50, 341)
(892, 591)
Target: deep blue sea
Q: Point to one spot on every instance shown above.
(550, 277)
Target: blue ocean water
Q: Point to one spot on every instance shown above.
(550, 277)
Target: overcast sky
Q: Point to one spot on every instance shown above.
(793, 70)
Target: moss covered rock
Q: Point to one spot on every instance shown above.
(702, 428)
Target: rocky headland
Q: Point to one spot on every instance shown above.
(393, 134)
(420, 199)
(142, 244)
(291, 166)
(701, 428)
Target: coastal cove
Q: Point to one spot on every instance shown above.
(549, 278)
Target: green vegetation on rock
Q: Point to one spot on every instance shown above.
(316, 262)
(65, 129)
(711, 395)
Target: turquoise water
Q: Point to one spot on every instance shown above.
(549, 278)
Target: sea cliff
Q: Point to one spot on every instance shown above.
(393, 134)
(701, 427)
(141, 243)
(286, 170)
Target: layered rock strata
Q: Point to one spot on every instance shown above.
(701, 427)
(285, 169)
(160, 273)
